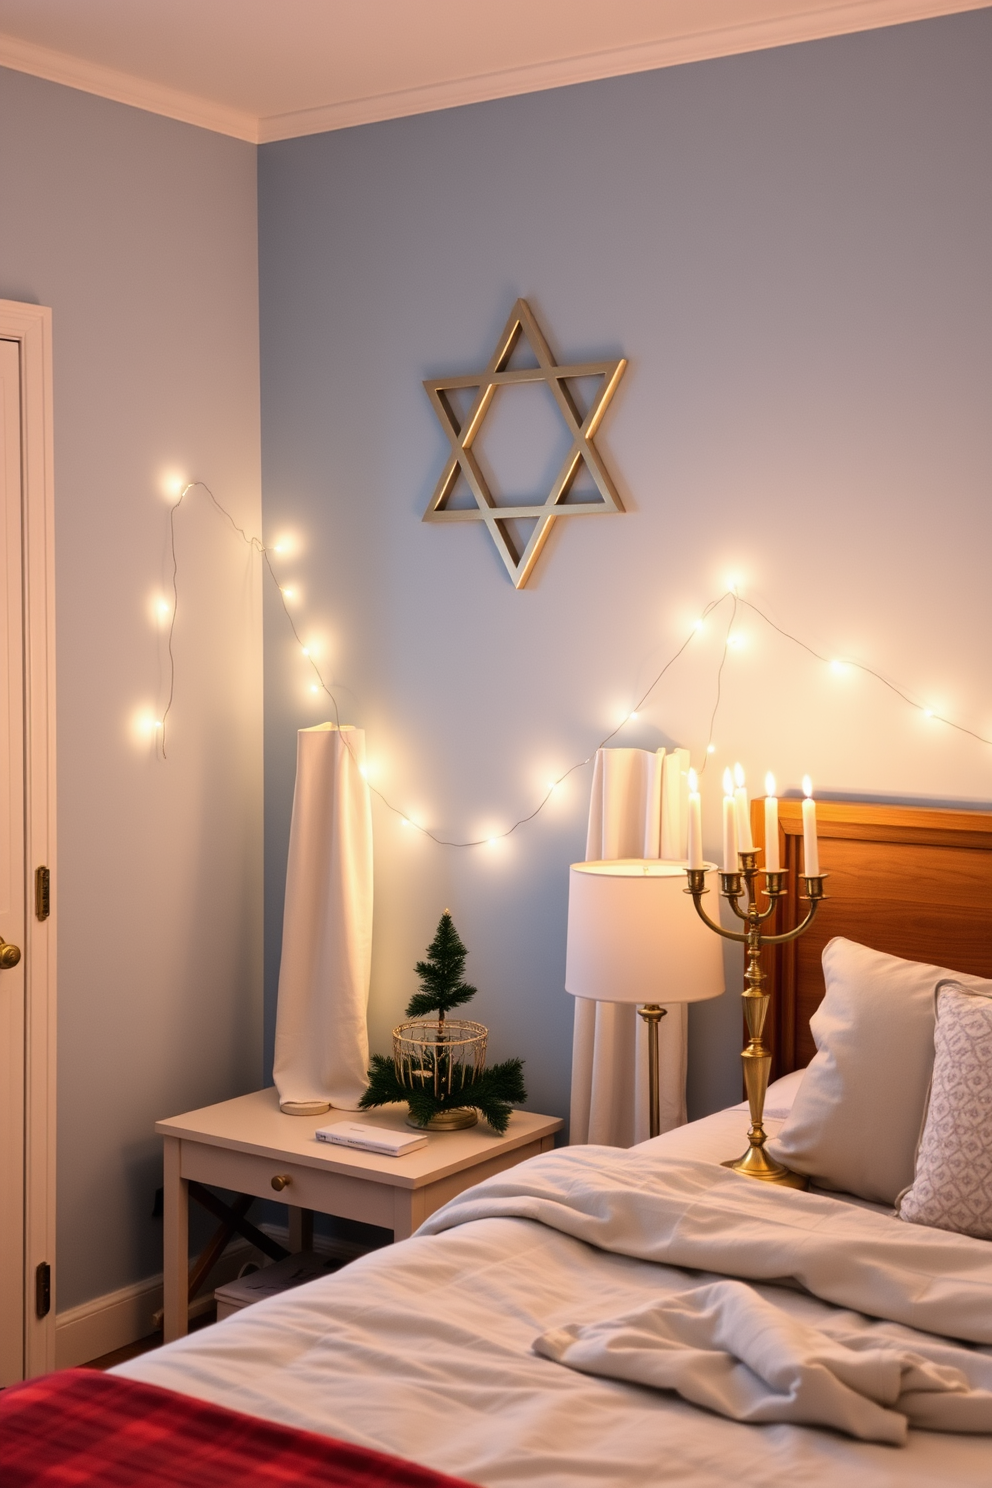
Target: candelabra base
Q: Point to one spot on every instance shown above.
(757, 1164)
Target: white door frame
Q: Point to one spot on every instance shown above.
(31, 326)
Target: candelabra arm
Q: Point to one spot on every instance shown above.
(795, 932)
(814, 893)
(727, 934)
(761, 915)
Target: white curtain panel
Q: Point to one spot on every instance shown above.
(639, 809)
(322, 1044)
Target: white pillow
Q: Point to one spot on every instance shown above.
(952, 1186)
(856, 1120)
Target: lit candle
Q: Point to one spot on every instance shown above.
(695, 823)
(772, 863)
(744, 840)
(730, 863)
(811, 848)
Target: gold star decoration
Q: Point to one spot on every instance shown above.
(463, 431)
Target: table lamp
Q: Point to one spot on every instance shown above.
(634, 936)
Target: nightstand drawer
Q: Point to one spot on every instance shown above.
(308, 1188)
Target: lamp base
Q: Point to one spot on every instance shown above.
(757, 1164)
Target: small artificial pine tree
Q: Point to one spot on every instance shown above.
(441, 974)
(492, 1091)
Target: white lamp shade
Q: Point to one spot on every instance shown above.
(634, 935)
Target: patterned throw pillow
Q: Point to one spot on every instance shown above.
(952, 1189)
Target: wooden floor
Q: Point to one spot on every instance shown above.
(143, 1345)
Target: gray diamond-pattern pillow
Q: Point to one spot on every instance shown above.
(952, 1189)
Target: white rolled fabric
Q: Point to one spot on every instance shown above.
(322, 1045)
(638, 809)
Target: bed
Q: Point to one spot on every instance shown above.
(426, 1350)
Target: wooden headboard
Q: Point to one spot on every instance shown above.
(908, 880)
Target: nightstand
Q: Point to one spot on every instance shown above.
(250, 1146)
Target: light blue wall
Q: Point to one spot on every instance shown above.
(140, 233)
(793, 249)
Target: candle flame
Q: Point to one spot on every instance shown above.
(693, 781)
(728, 782)
(739, 776)
(769, 784)
(807, 786)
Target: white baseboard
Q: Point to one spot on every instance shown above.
(119, 1318)
(123, 1317)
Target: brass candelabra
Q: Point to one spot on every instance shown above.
(756, 1057)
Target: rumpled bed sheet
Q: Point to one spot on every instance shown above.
(724, 1347)
(425, 1349)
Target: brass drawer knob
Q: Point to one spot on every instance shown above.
(281, 1181)
(9, 954)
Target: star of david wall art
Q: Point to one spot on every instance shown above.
(463, 429)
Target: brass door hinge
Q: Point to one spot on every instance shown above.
(43, 1289)
(42, 893)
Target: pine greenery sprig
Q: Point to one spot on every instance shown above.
(441, 974)
(492, 1093)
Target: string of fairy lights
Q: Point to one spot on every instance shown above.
(731, 599)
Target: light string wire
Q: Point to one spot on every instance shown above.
(737, 601)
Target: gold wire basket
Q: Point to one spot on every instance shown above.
(443, 1056)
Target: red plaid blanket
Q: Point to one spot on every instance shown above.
(90, 1430)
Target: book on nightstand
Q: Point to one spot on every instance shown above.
(370, 1138)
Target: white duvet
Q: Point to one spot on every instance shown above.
(426, 1349)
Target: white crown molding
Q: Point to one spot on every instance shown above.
(121, 87)
(812, 23)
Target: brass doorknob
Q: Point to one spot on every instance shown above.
(9, 954)
(281, 1181)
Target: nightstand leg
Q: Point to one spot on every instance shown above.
(175, 1243)
(300, 1230)
(409, 1211)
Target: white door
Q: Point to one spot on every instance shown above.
(13, 876)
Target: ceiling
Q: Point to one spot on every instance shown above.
(274, 69)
